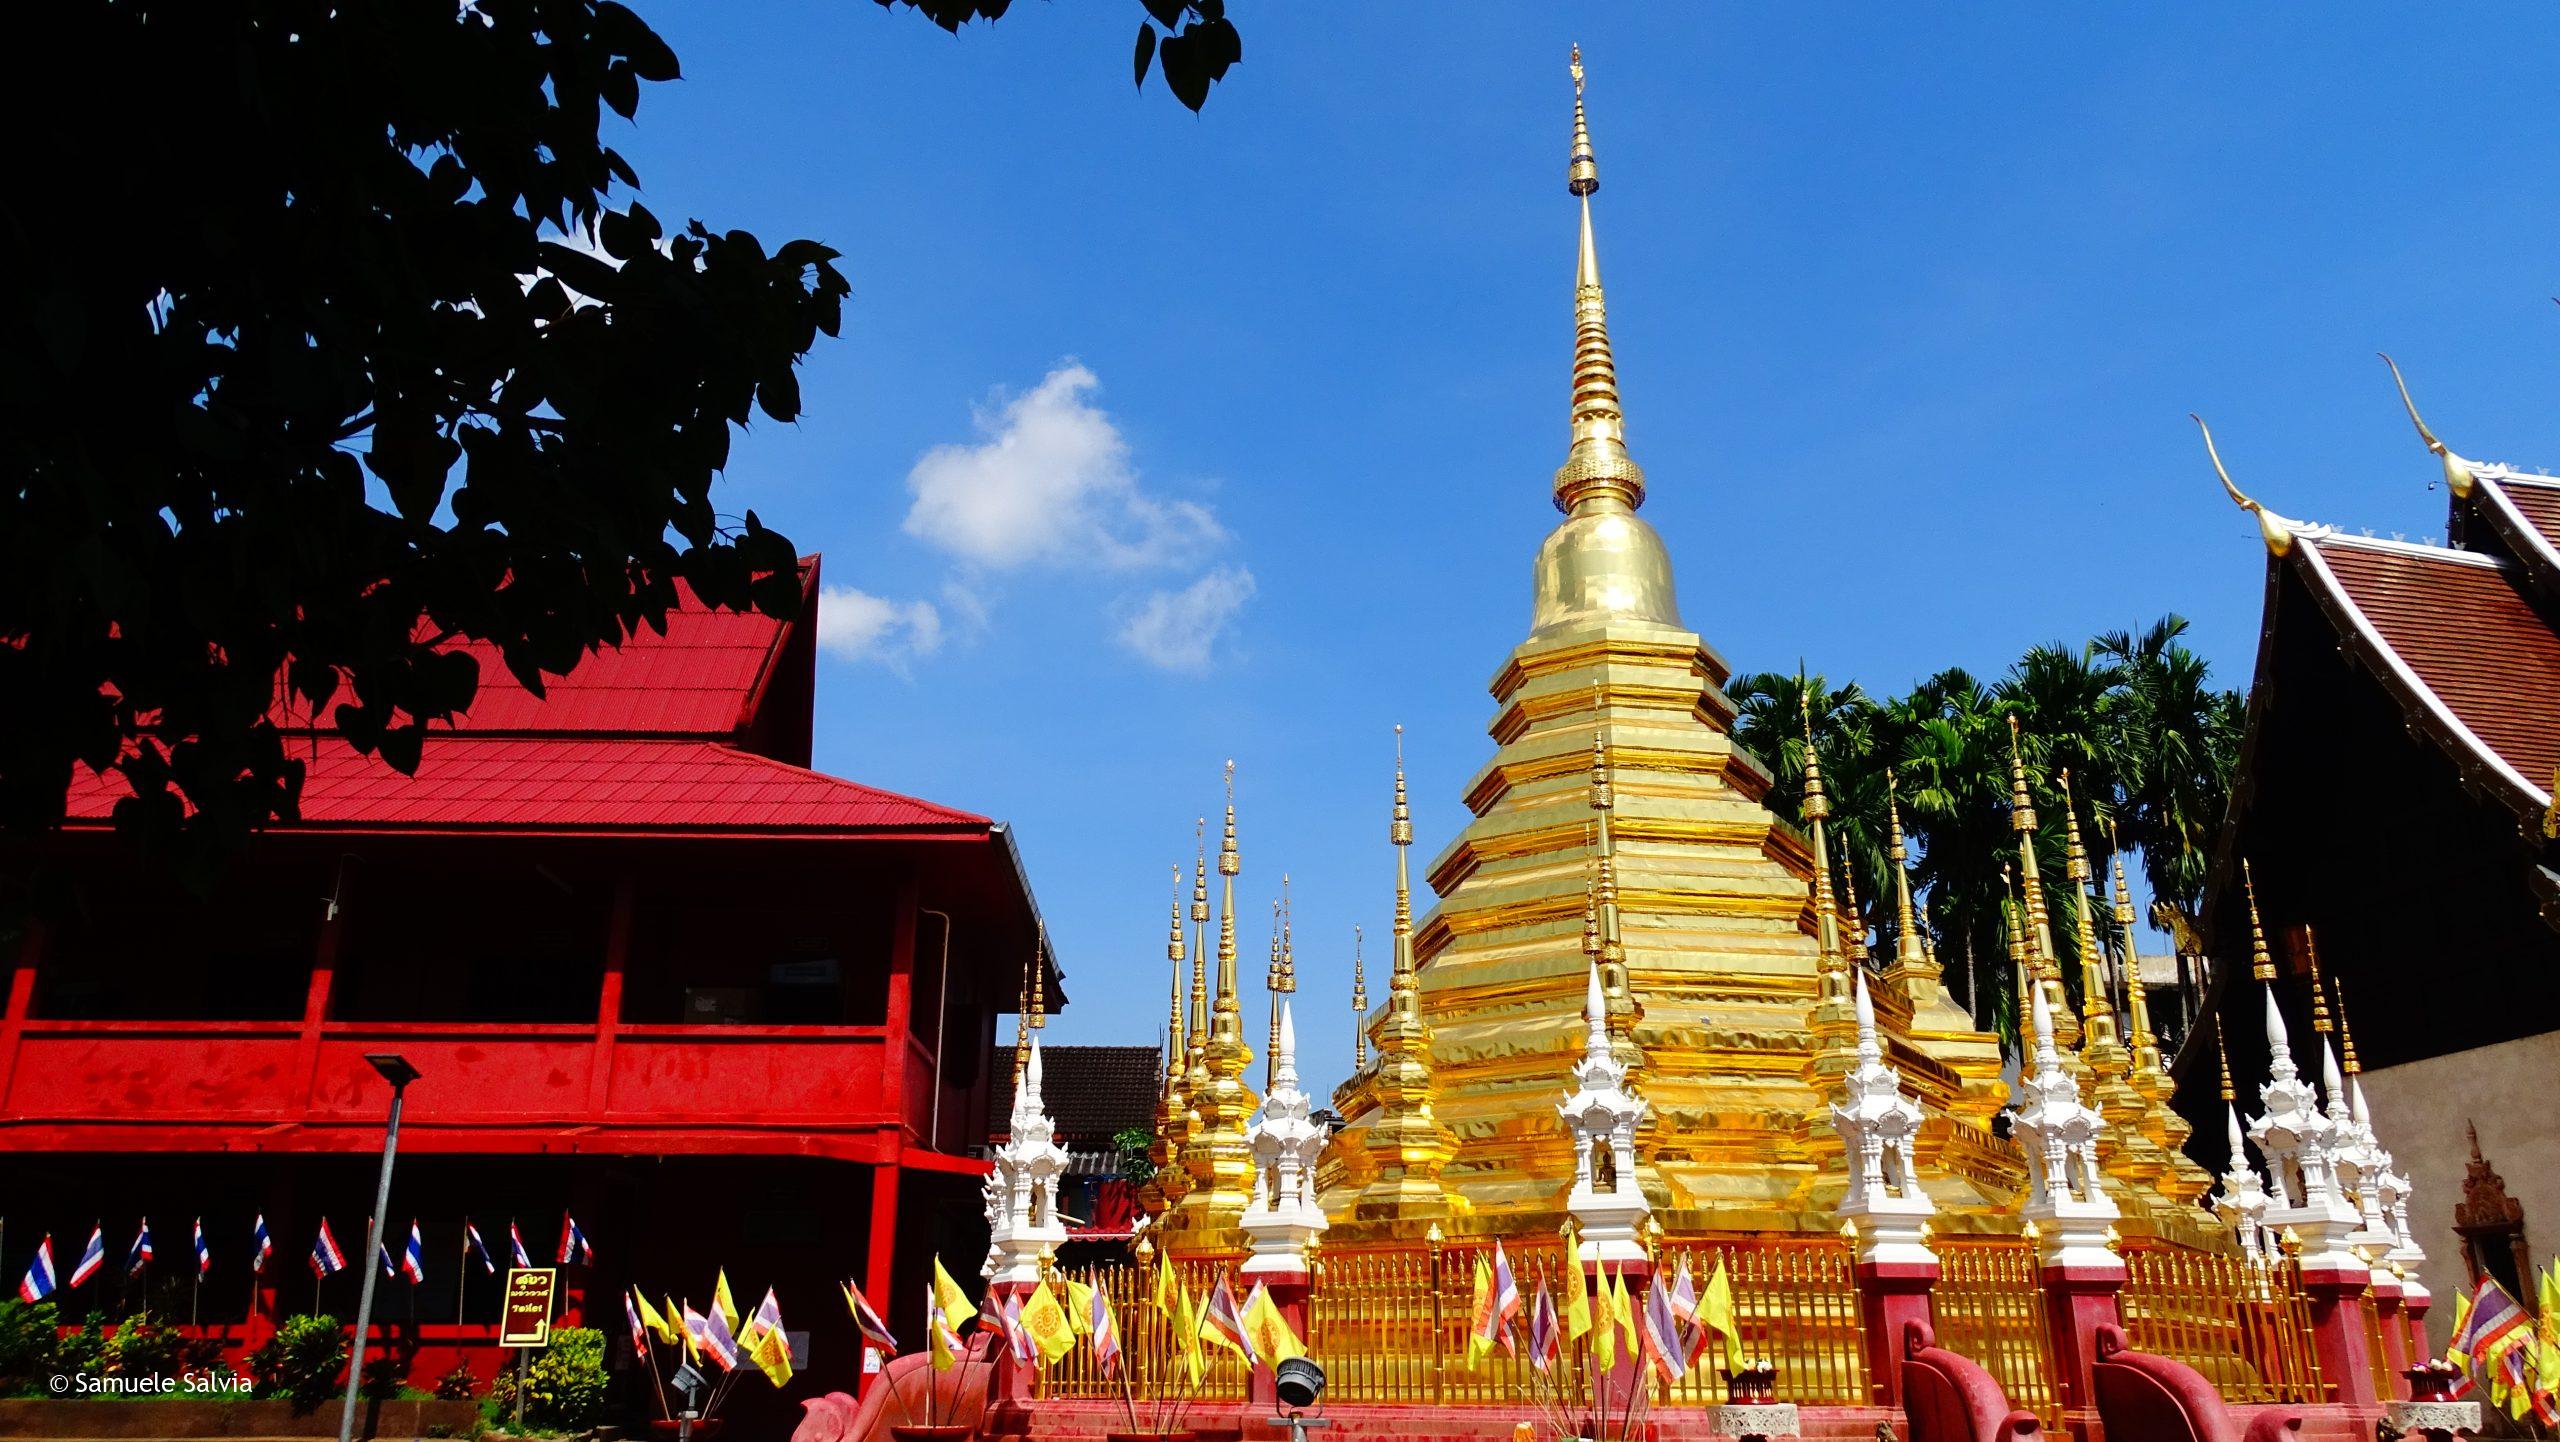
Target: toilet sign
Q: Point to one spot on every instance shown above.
(526, 1319)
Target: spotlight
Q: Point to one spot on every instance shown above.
(1299, 1382)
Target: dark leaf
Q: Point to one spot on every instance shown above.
(1167, 13)
(1146, 53)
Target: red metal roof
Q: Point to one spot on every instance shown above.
(2537, 500)
(580, 784)
(700, 679)
(2468, 637)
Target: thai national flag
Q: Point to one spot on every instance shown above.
(471, 1242)
(92, 1257)
(39, 1280)
(574, 1251)
(204, 1253)
(140, 1257)
(413, 1262)
(383, 1250)
(325, 1256)
(515, 1245)
(261, 1247)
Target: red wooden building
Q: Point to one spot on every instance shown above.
(653, 970)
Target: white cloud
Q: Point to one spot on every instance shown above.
(1175, 629)
(859, 626)
(1050, 482)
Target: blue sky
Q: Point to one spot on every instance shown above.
(1153, 440)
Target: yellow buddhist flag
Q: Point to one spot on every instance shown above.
(1577, 1290)
(1079, 1307)
(1047, 1323)
(772, 1356)
(945, 1339)
(656, 1321)
(954, 1303)
(1187, 1322)
(723, 1303)
(1715, 1310)
(1274, 1340)
(2461, 1319)
(673, 1315)
(1480, 1313)
(1168, 1286)
(1622, 1311)
(1604, 1338)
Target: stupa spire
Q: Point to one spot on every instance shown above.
(2044, 962)
(1906, 928)
(2262, 967)
(1359, 1003)
(1597, 464)
(1406, 1143)
(2097, 1013)
(1199, 1030)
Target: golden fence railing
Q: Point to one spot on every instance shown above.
(1154, 1370)
(1989, 1305)
(2384, 1383)
(1391, 1324)
(1795, 1301)
(2246, 1327)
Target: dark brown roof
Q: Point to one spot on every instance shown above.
(1092, 1092)
(2471, 658)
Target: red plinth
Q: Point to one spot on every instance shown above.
(2076, 1300)
(1014, 1383)
(1889, 1295)
(2338, 1333)
(2413, 1315)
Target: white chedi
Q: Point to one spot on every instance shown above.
(2066, 1193)
(2242, 1201)
(1607, 1203)
(1877, 1124)
(2299, 1143)
(1283, 1218)
(1022, 1191)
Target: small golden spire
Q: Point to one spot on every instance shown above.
(1826, 914)
(1173, 950)
(1288, 945)
(2013, 927)
(2277, 531)
(2097, 1017)
(2146, 1044)
(1598, 465)
(2261, 965)
(1359, 1002)
(1591, 911)
(1271, 986)
(2041, 959)
(1603, 795)
(1854, 945)
(2459, 474)
(1400, 834)
(2319, 986)
(1907, 949)
(1028, 1018)
(2224, 1052)
(1225, 1015)
(1199, 1032)
(2346, 1038)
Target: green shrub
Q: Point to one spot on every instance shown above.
(83, 1351)
(302, 1361)
(141, 1347)
(386, 1376)
(564, 1389)
(26, 1346)
(457, 1385)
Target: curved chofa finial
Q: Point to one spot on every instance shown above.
(2458, 473)
(2277, 530)
(1598, 462)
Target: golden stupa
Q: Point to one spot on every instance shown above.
(1615, 789)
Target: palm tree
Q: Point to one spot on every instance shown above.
(2183, 740)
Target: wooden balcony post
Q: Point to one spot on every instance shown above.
(617, 959)
(22, 990)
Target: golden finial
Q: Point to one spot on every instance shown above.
(1855, 944)
(1271, 985)
(1178, 1044)
(1907, 941)
(1591, 910)
(1598, 465)
(2261, 965)
(2224, 1052)
(2013, 924)
(2097, 1015)
(2346, 1038)
(2022, 807)
(1288, 944)
(2146, 1045)
(2459, 474)
(1826, 914)
(2022, 820)
(1199, 939)
(1400, 832)
(1359, 1002)
(1603, 795)
(1039, 976)
(2277, 531)
(1225, 1010)
(2319, 986)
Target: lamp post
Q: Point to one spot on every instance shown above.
(396, 1070)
